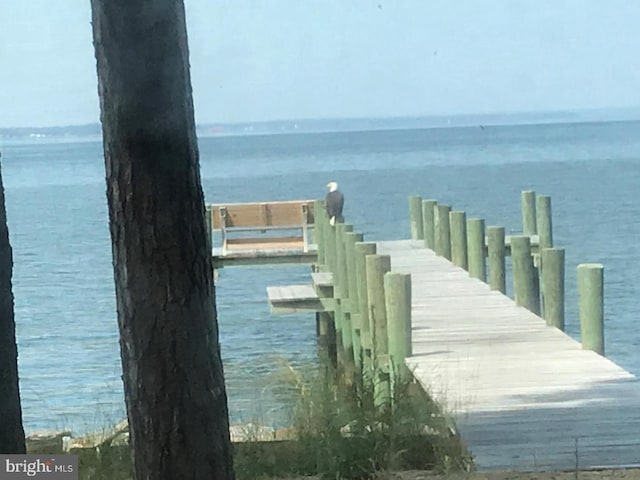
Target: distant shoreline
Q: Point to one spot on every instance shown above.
(93, 131)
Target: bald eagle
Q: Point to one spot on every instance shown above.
(334, 201)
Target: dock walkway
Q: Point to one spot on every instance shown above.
(524, 396)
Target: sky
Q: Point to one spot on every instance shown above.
(254, 60)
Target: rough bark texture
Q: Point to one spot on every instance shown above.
(11, 430)
(173, 376)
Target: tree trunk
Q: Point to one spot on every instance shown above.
(11, 430)
(173, 377)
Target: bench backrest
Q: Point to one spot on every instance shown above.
(265, 214)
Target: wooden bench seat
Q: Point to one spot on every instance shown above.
(260, 219)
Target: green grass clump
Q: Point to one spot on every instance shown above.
(338, 432)
(342, 434)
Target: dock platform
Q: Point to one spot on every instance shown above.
(525, 396)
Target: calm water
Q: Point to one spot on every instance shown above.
(65, 307)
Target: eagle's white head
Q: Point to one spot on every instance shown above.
(332, 186)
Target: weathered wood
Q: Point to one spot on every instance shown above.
(262, 257)
(322, 279)
(458, 225)
(343, 324)
(428, 223)
(323, 286)
(591, 306)
(261, 215)
(351, 238)
(552, 272)
(496, 247)
(544, 222)
(397, 290)
(415, 217)
(524, 285)
(520, 392)
(362, 250)
(529, 212)
(476, 249)
(443, 231)
(376, 267)
(330, 247)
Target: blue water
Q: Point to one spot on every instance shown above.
(64, 295)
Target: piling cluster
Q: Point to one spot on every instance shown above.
(365, 328)
(538, 268)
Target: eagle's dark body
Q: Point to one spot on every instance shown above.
(334, 202)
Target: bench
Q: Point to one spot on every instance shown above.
(263, 217)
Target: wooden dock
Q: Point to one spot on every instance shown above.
(525, 396)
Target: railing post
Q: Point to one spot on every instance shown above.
(377, 266)
(415, 216)
(524, 284)
(458, 225)
(428, 223)
(591, 303)
(496, 252)
(397, 290)
(476, 249)
(529, 213)
(552, 267)
(443, 231)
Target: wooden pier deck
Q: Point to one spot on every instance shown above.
(524, 396)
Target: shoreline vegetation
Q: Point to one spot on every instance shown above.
(336, 432)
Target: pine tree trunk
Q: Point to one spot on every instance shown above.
(11, 430)
(173, 377)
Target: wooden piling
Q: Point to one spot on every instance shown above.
(476, 249)
(544, 222)
(330, 246)
(529, 212)
(343, 318)
(351, 238)
(458, 225)
(524, 285)
(443, 231)
(496, 253)
(428, 223)
(397, 290)
(377, 266)
(552, 268)
(362, 250)
(415, 217)
(591, 306)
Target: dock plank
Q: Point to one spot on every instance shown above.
(524, 396)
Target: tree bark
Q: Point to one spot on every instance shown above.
(11, 430)
(173, 376)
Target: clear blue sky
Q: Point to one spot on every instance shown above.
(277, 59)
